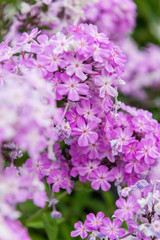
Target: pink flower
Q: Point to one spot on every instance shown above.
(42, 43)
(78, 67)
(85, 109)
(41, 166)
(25, 38)
(130, 150)
(58, 179)
(100, 178)
(106, 82)
(147, 150)
(141, 124)
(134, 165)
(94, 222)
(60, 43)
(80, 230)
(85, 131)
(88, 166)
(51, 60)
(100, 37)
(112, 229)
(72, 117)
(72, 87)
(84, 45)
(127, 208)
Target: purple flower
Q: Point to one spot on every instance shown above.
(41, 166)
(84, 45)
(72, 87)
(72, 117)
(78, 67)
(85, 109)
(58, 179)
(94, 222)
(25, 38)
(106, 82)
(51, 60)
(42, 43)
(85, 131)
(112, 229)
(130, 150)
(147, 150)
(100, 178)
(141, 124)
(100, 37)
(60, 43)
(135, 165)
(126, 208)
(80, 230)
(88, 166)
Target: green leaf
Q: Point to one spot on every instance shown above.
(38, 224)
(50, 225)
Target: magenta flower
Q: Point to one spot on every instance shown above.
(141, 124)
(51, 60)
(41, 167)
(98, 54)
(42, 43)
(25, 38)
(72, 87)
(84, 45)
(147, 150)
(130, 150)
(96, 150)
(60, 43)
(80, 230)
(112, 229)
(85, 131)
(78, 67)
(88, 166)
(106, 82)
(7, 52)
(134, 165)
(94, 222)
(100, 178)
(100, 37)
(85, 109)
(58, 179)
(126, 208)
(72, 117)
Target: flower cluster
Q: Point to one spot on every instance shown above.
(128, 144)
(17, 186)
(30, 103)
(140, 73)
(138, 206)
(74, 70)
(98, 227)
(115, 18)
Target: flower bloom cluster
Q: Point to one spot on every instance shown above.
(16, 186)
(138, 206)
(115, 18)
(34, 75)
(140, 73)
(31, 106)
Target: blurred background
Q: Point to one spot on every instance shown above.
(83, 199)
